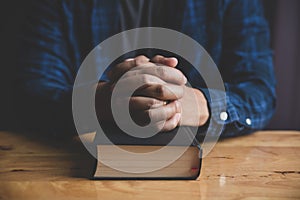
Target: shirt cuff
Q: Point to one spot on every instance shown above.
(223, 112)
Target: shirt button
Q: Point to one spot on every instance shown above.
(223, 116)
(248, 121)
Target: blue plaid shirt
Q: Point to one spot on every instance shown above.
(59, 34)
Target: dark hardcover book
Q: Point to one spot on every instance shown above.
(177, 155)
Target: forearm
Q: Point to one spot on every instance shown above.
(247, 107)
(247, 70)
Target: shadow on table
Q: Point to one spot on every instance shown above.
(79, 162)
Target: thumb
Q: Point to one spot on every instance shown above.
(171, 62)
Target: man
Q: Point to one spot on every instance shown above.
(59, 34)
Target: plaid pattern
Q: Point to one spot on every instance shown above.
(60, 33)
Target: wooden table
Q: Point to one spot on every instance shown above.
(265, 165)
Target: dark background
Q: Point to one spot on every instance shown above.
(284, 18)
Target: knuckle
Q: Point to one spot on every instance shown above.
(156, 57)
(145, 79)
(162, 71)
(160, 91)
(152, 102)
(141, 59)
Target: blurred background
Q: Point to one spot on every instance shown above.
(284, 18)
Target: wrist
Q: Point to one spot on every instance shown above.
(202, 107)
(195, 110)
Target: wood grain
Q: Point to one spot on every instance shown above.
(264, 165)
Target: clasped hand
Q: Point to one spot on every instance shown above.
(162, 96)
